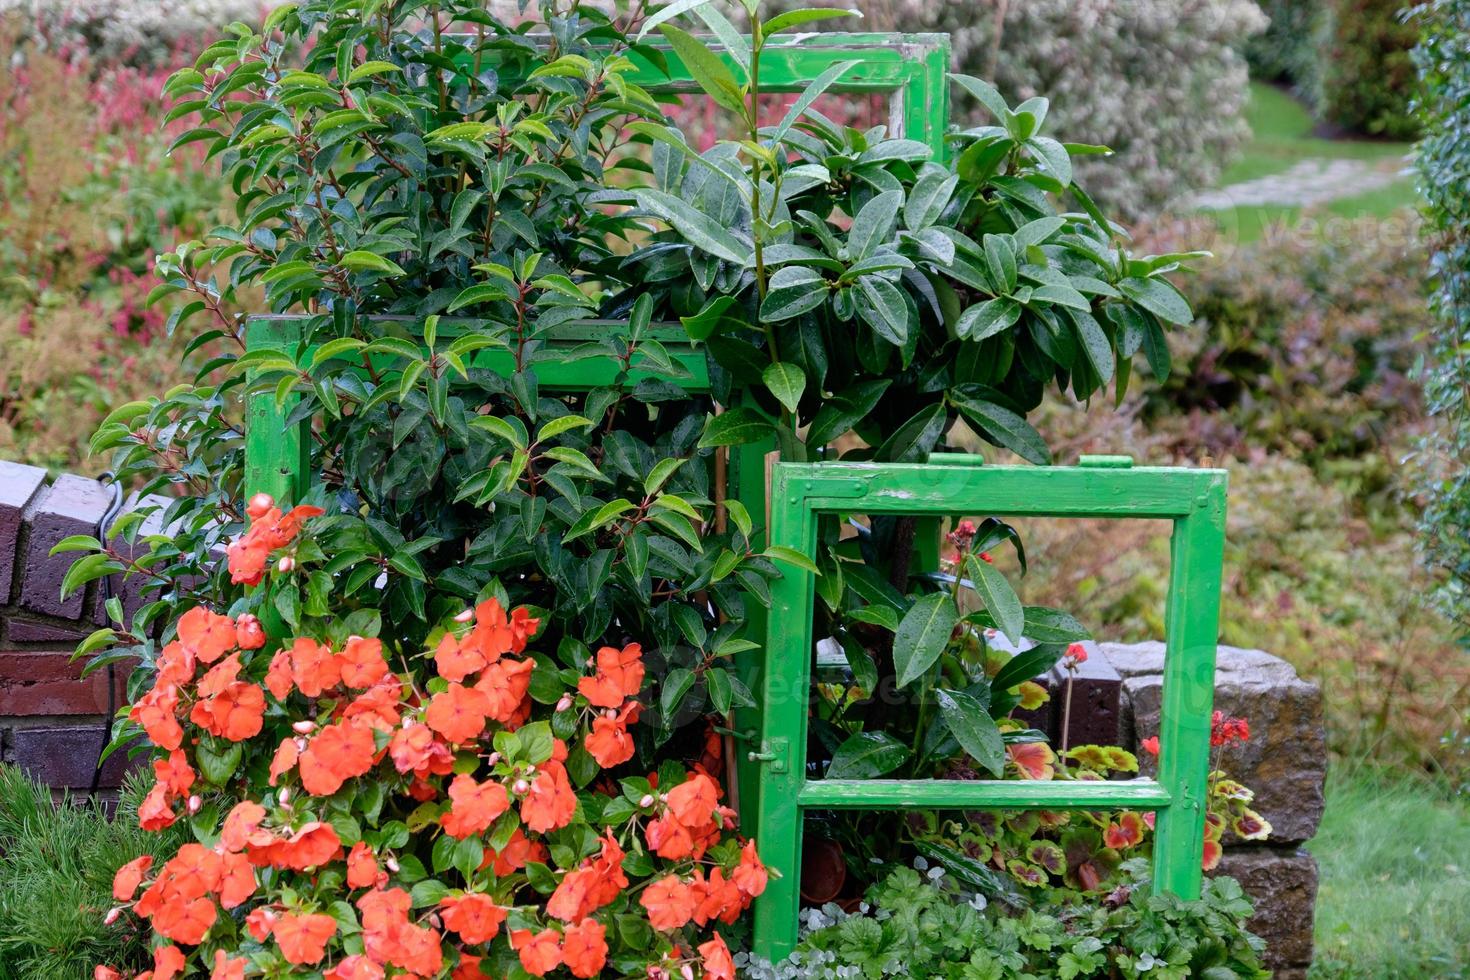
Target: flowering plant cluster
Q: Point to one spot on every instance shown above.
(364, 808)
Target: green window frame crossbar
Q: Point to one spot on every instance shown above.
(1194, 500)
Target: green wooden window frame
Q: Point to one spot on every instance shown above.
(1106, 487)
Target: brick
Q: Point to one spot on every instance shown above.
(18, 487)
(73, 505)
(34, 684)
(30, 631)
(65, 757)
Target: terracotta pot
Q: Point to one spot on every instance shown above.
(823, 870)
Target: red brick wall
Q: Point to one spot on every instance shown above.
(51, 719)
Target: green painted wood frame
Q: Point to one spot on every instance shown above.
(912, 68)
(1107, 487)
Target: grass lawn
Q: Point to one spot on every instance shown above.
(1394, 899)
(1282, 137)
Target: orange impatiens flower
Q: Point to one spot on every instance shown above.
(718, 964)
(248, 554)
(362, 867)
(311, 846)
(389, 937)
(303, 936)
(314, 668)
(505, 684)
(551, 801)
(415, 749)
(458, 713)
(185, 921)
(240, 824)
(750, 876)
(619, 676)
(356, 967)
(474, 806)
(609, 742)
(206, 635)
(475, 918)
(518, 852)
(156, 712)
(174, 773)
(337, 753)
(228, 967)
(236, 881)
(168, 962)
(540, 953)
(584, 948)
(670, 903)
(156, 811)
(456, 659)
(288, 753)
(361, 663)
(236, 713)
(125, 883)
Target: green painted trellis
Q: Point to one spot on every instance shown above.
(772, 781)
(1194, 500)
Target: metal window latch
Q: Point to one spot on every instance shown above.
(773, 753)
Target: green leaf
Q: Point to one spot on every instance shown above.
(928, 199)
(591, 520)
(668, 13)
(1054, 156)
(988, 318)
(797, 18)
(360, 261)
(700, 230)
(369, 68)
(809, 95)
(676, 686)
(792, 291)
(882, 307)
(76, 542)
(970, 723)
(986, 94)
(483, 293)
(867, 755)
(703, 324)
(564, 424)
(791, 556)
(1002, 426)
(922, 635)
(786, 381)
(846, 409)
(873, 224)
(1159, 298)
(1026, 665)
(999, 598)
(706, 68)
(735, 427)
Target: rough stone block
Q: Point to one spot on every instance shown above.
(1283, 884)
(30, 631)
(73, 505)
(1285, 761)
(18, 486)
(67, 756)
